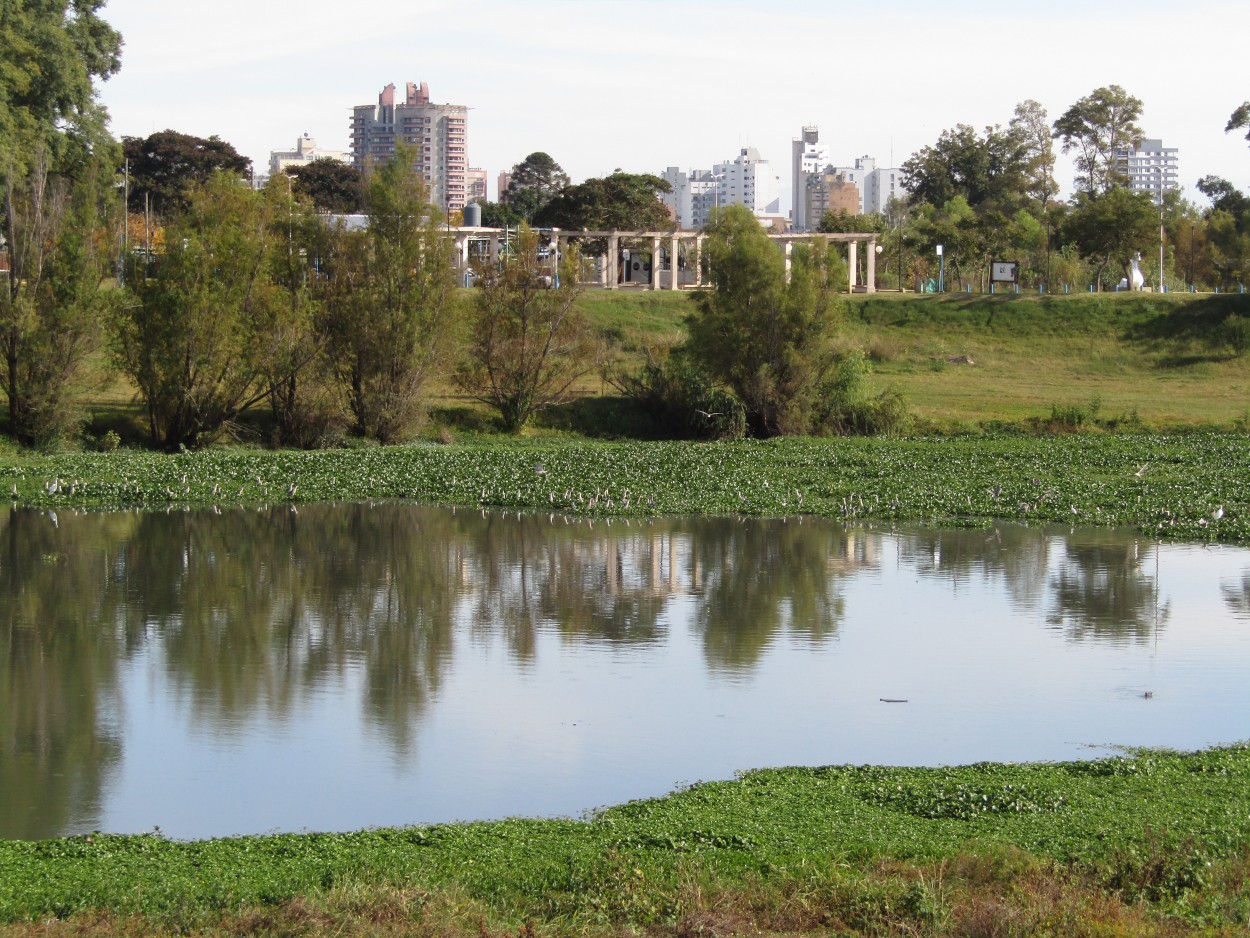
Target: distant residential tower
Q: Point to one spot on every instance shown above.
(1150, 167)
(437, 134)
(820, 186)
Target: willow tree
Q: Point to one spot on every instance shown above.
(529, 342)
(389, 302)
(58, 243)
(770, 337)
(190, 341)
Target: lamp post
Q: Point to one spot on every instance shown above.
(1162, 282)
(1191, 255)
(941, 270)
(1047, 211)
(290, 219)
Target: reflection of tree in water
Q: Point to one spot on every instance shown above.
(257, 609)
(1012, 553)
(59, 659)
(1103, 591)
(753, 579)
(592, 583)
(1237, 596)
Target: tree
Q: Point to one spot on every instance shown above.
(530, 343)
(533, 183)
(1239, 118)
(769, 338)
(291, 329)
(984, 170)
(189, 343)
(162, 168)
(499, 215)
(58, 238)
(1097, 126)
(1031, 127)
(330, 185)
(53, 53)
(843, 221)
(621, 201)
(1224, 196)
(389, 302)
(1112, 227)
(53, 143)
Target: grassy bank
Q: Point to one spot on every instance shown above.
(961, 361)
(1149, 843)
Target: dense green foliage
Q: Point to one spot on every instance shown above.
(56, 160)
(622, 201)
(51, 304)
(1146, 826)
(766, 333)
(1239, 118)
(1110, 228)
(163, 168)
(330, 185)
(54, 52)
(189, 340)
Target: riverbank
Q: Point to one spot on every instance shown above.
(1183, 486)
(1149, 843)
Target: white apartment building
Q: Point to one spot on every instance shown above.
(437, 134)
(306, 150)
(748, 179)
(1150, 166)
(693, 196)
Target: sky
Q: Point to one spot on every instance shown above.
(647, 84)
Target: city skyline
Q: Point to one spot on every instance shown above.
(647, 85)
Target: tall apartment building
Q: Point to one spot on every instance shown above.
(807, 157)
(474, 184)
(437, 134)
(693, 196)
(876, 184)
(1150, 167)
(747, 179)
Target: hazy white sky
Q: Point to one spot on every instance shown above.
(645, 84)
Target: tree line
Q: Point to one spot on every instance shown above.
(992, 195)
(237, 297)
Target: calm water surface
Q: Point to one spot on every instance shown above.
(363, 665)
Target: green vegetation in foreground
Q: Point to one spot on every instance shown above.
(1116, 846)
(1173, 486)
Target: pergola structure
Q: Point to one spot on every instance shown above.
(609, 274)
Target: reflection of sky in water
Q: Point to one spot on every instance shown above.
(597, 710)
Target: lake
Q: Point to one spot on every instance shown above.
(218, 672)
